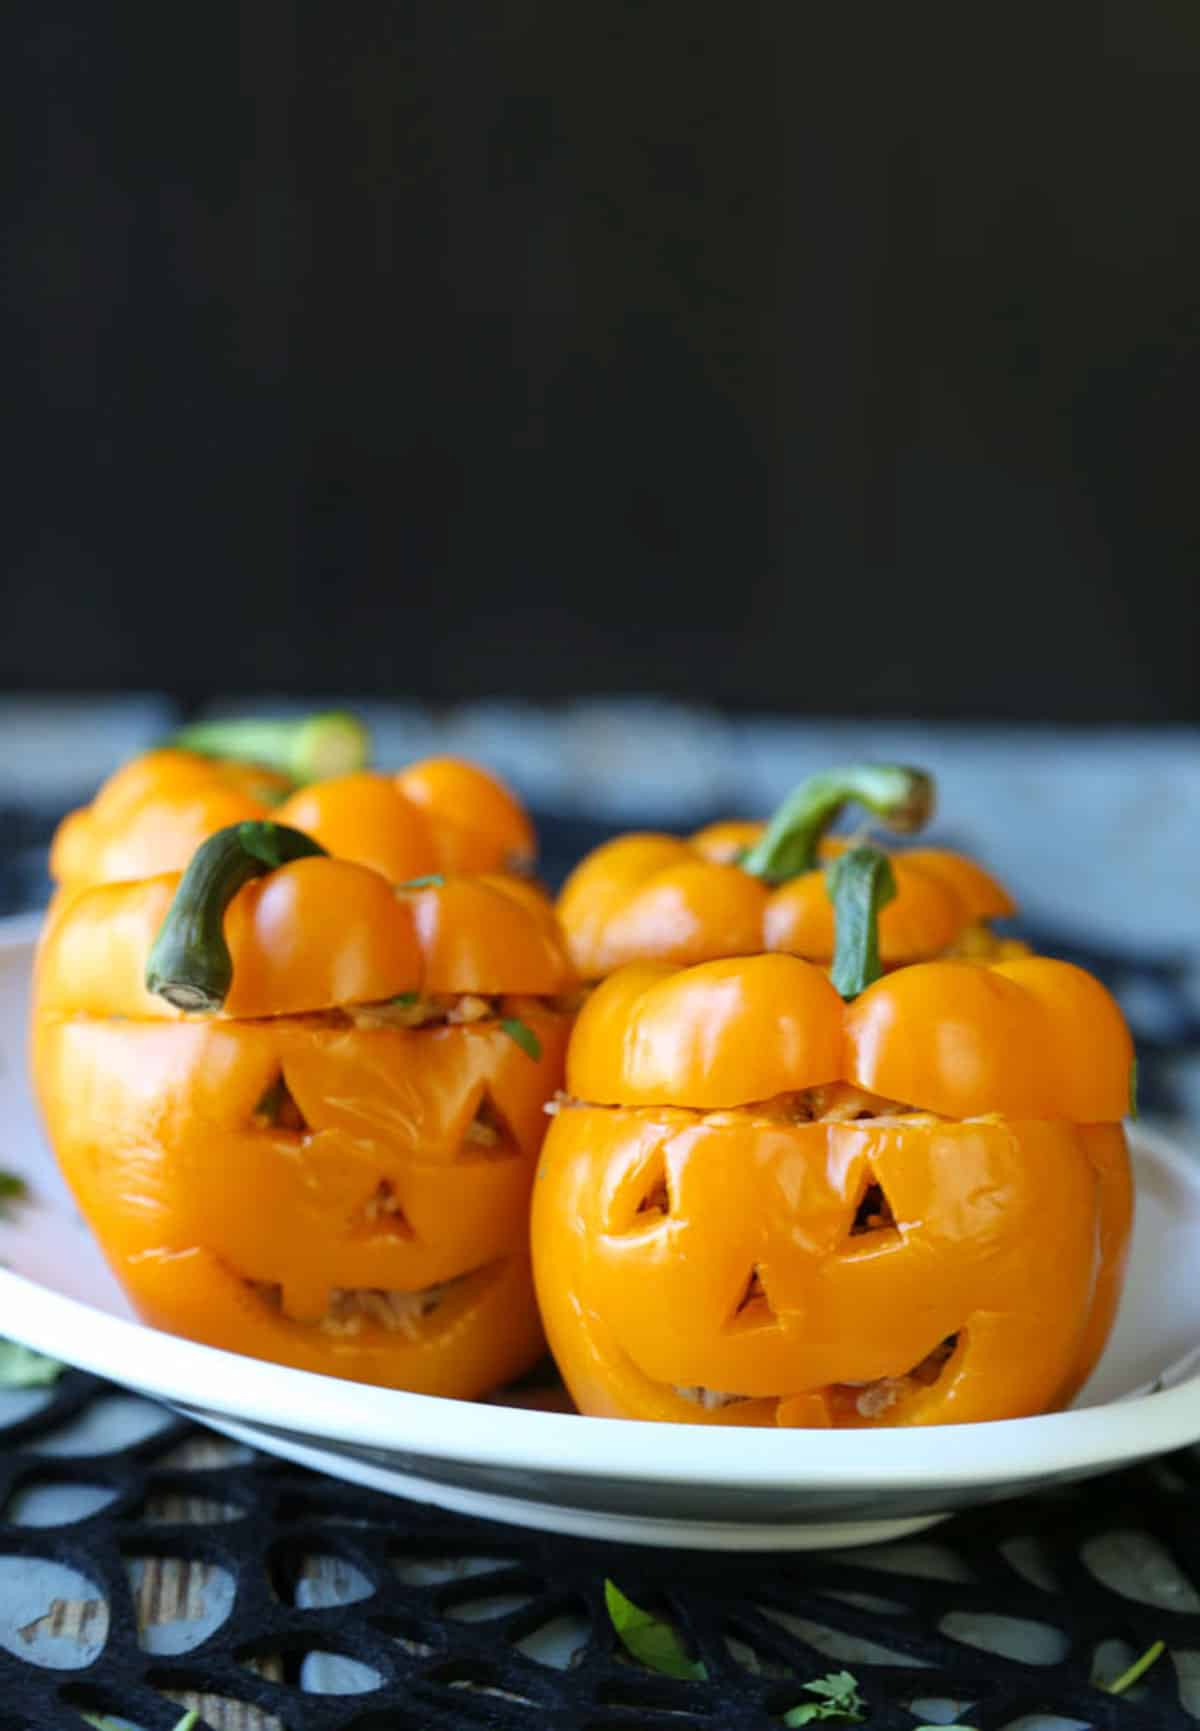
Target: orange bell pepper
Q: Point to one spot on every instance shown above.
(736, 888)
(438, 815)
(761, 1205)
(300, 1107)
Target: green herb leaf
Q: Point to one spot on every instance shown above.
(650, 1640)
(1137, 1670)
(840, 1699)
(1133, 1089)
(21, 1367)
(523, 1035)
(13, 1188)
(434, 881)
(405, 1000)
(102, 1722)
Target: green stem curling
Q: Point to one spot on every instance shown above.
(189, 964)
(899, 797)
(307, 748)
(861, 883)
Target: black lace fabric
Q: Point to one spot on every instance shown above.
(147, 1566)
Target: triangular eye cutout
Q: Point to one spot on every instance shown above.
(874, 1211)
(277, 1109)
(642, 1201)
(655, 1199)
(489, 1132)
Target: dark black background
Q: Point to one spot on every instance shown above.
(825, 360)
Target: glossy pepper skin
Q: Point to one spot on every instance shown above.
(690, 1235)
(245, 1226)
(438, 815)
(735, 889)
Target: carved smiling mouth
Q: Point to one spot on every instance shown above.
(354, 1310)
(850, 1402)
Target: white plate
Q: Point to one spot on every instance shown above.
(653, 1484)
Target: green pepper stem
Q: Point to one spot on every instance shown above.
(899, 797)
(861, 883)
(189, 963)
(306, 748)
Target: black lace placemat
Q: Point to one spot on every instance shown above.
(438, 1621)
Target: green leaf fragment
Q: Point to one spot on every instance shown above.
(434, 881)
(405, 1000)
(13, 1188)
(648, 1639)
(1136, 1671)
(839, 1699)
(523, 1035)
(21, 1367)
(103, 1722)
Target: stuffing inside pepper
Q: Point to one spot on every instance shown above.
(867, 1400)
(829, 1103)
(352, 1309)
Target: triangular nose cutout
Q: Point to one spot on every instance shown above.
(874, 1211)
(382, 1213)
(754, 1306)
(277, 1108)
(489, 1132)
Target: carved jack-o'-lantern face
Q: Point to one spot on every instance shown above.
(827, 1255)
(334, 1172)
(346, 1199)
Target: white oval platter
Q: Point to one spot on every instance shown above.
(698, 1486)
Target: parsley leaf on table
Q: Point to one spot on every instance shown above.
(653, 1642)
(21, 1367)
(102, 1722)
(1135, 1671)
(13, 1188)
(839, 1699)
